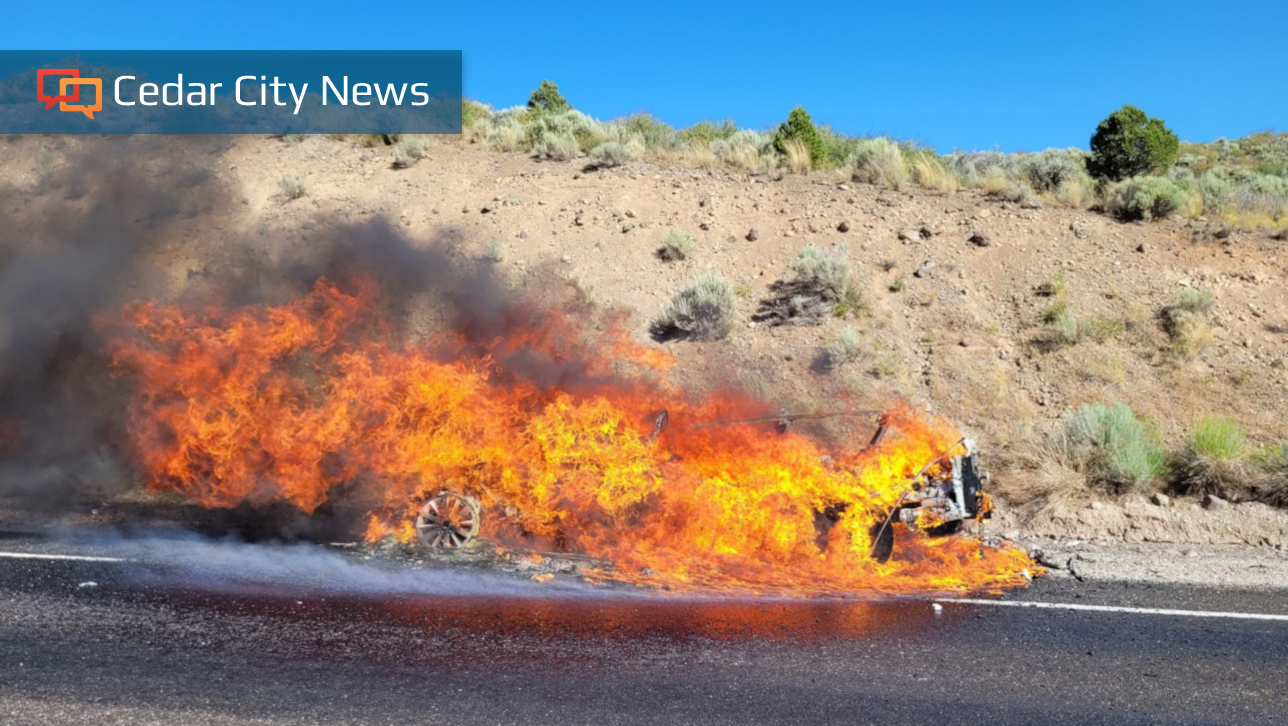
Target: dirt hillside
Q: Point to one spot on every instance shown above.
(953, 324)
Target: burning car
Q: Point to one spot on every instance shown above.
(946, 492)
(547, 433)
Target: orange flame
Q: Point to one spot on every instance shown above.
(309, 401)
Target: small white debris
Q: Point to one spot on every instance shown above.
(1027, 575)
(939, 609)
(90, 583)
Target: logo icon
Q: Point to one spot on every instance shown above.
(89, 111)
(49, 100)
(69, 101)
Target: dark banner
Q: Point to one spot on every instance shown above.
(230, 92)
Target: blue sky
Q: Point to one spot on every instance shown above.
(972, 75)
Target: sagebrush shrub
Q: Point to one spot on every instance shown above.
(504, 134)
(1048, 170)
(824, 274)
(820, 288)
(1196, 301)
(610, 153)
(703, 310)
(799, 127)
(557, 147)
(1145, 197)
(678, 245)
(844, 349)
(292, 187)
(1129, 143)
(1119, 449)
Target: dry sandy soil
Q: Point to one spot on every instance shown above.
(962, 338)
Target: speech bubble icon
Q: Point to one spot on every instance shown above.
(89, 111)
(49, 100)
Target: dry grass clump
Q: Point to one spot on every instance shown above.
(878, 161)
(1078, 193)
(703, 310)
(1273, 485)
(796, 156)
(1041, 472)
(1009, 190)
(1187, 323)
(746, 149)
(930, 173)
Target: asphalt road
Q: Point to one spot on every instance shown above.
(180, 632)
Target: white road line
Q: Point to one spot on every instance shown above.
(1117, 609)
(75, 558)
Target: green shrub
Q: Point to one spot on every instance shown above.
(494, 251)
(1147, 197)
(799, 127)
(1218, 437)
(472, 112)
(837, 146)
(1215, 461)
(1119, 449)
(678, 245)
(546, 98)
(703, 310)
(1129, 143)
(703, 133)
(655, 134)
